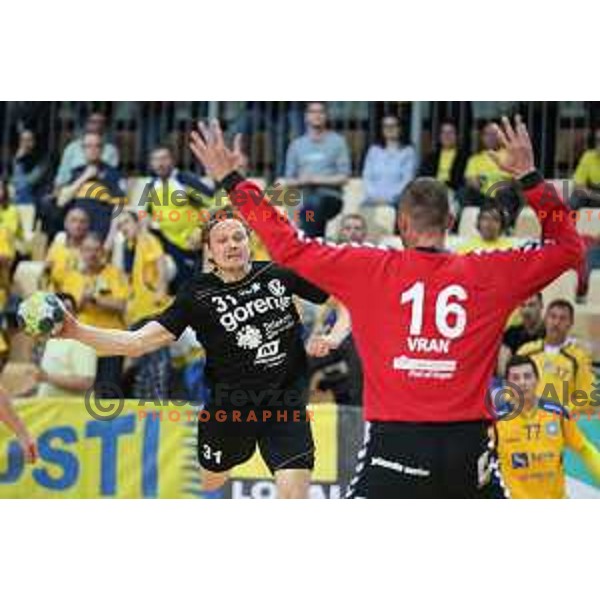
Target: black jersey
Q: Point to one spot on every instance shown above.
(250, 329)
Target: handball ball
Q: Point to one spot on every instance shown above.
(41, 314)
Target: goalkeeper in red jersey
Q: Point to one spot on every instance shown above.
(427, 323)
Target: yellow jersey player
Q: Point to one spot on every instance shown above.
(532, 436)
(564, 365)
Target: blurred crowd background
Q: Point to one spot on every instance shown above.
(65, 166)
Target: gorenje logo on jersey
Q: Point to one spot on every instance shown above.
(233, 314)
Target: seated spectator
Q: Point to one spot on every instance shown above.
(30, 170)
(318, 164)
(8, 253)
(331, 341)
(64, 254)
(10, 218)
(100, 292)
(176, 201)
(448, 161)
(73, 156)
(145, 265)
(565, 366)
(389, 166)
(530, 328)
(491, 224)
(485, 179)
(94, 186)
(68, 367)
(353, 229)
(587, 177)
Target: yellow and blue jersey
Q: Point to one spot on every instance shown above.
(531, 447)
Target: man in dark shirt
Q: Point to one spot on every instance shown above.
(530, 329)
(94, 187)
(244, 315)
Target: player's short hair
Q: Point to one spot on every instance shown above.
(518, 360)
(562, 303)
(216, 215)
(425, 201)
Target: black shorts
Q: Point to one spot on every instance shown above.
(418, 460)
(228, 437)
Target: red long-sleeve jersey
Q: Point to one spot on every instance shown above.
(427, 324)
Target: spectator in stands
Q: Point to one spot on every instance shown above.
(30, 170)
(100, 291)
(448, 160)
(10, 219)
(8, 223)
(176, 201)
(587, 177)
(68, 367)
(491, 224)
(353, 229)
(530, 329)
(74, 156)
(318, 163)
(144, 263)
(389, 166)
(94, 186)
(485, 179)
(64, 254)
(565, 366)
(331, 341)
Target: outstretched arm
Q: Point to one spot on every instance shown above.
(530, 268)
(9, 416)
(333, 268)
(115, 342)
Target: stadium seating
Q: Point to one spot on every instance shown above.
(563, 287)
(588, 222)
(593, 297)
(527, 225)
(587, 328)
(468, 222)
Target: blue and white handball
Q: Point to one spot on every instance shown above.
(41, 314)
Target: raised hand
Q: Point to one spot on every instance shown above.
(518, 159)
(208, 146)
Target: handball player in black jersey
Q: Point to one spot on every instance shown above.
(244, 315)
